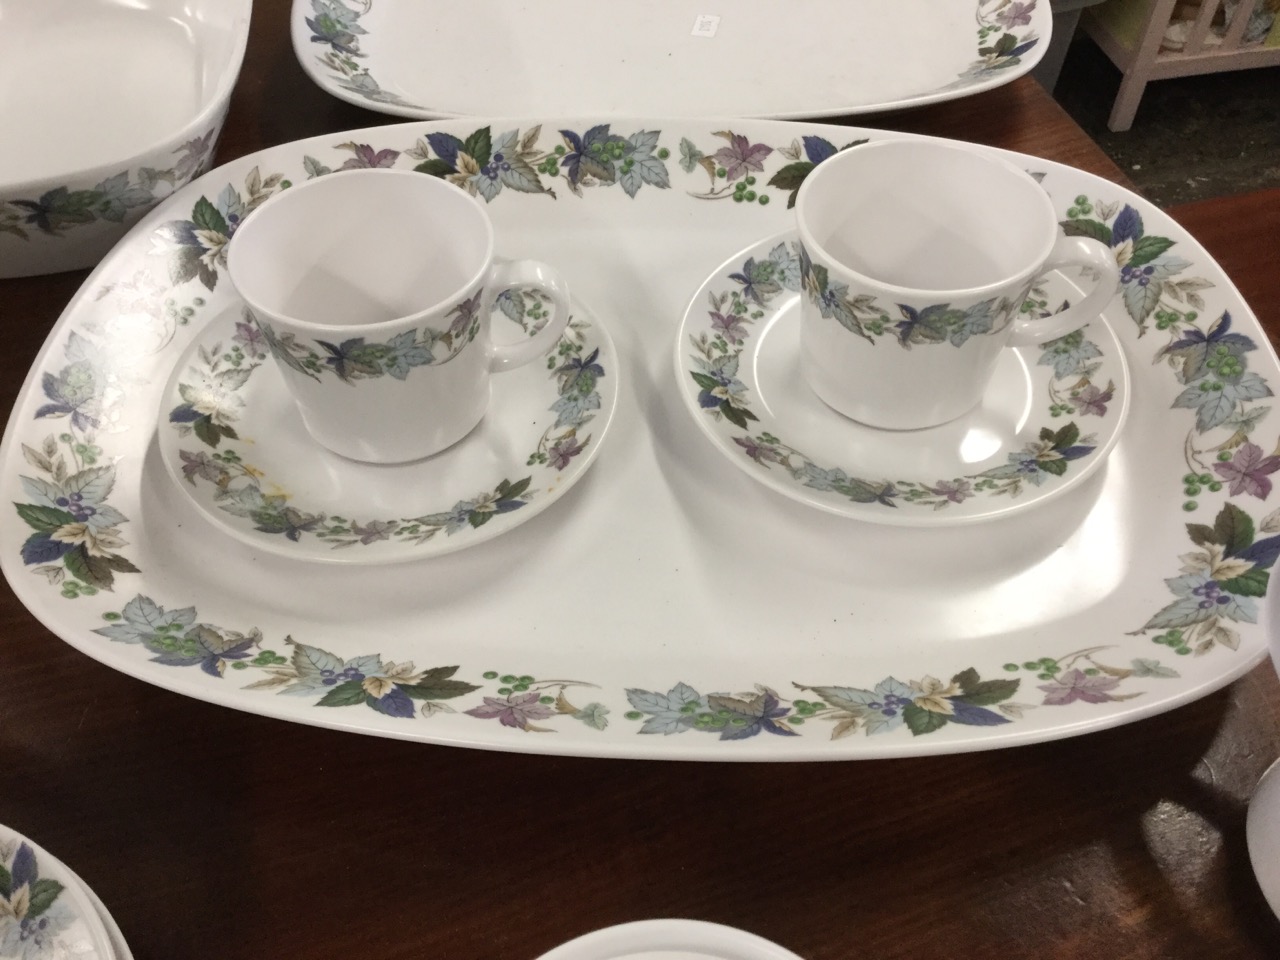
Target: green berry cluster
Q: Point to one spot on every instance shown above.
(550, 164)
(266, 658)
(1082, 208)
(1224, 363)
(168, 638)
(1167, 318)
(181, 315)
(1194, 482)
(805, 709)
(1174, 640)
(742, 192)
(877, 326)
(87, 453)
(74, 588)
(1059, 409)
(1046, 668)
(514, 684)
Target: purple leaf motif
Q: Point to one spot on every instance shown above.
(730, 326)
(1017, 14)
(1077, 685)
(514, 711)
(366, 157)
(741, 156)
(1093, 401)
(1248, 470)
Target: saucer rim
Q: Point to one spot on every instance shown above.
(436, 547)
(855, 511)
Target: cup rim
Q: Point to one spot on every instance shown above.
(431, 183)
(822, 170)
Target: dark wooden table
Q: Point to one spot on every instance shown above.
(216, 834)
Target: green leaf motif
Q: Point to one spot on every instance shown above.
(43, 519)
(43, 892)
(347, 694)
(920, 721)
(1146, 249)
(738, 416)
(1233, 529)
(1056, 467)
(1066, 437)
(479, 146)
(6, 882)
(509, 491)
(1095, 229)
(94, 571)
(438, 688)
(435, 167)
(1251, 583)
(983, 693)
(206, 217)
(792, 175)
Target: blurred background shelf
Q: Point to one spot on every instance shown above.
(1159, 39)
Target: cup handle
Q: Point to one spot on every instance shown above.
(509, 274)
(1068, 252)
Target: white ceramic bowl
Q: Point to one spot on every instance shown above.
(108, 107)
(1262, 829)
(669, 940)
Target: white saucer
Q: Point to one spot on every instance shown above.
(242, 455)
(114, 933)
(47, 911)
(669, 940)
(1048, 419)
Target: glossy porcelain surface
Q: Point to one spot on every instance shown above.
(1046, 421)
(669, 940)
(119, 103)
(233, 441)
(670, 606)
(373, 290)
(915, 259)
(45, 913)
(420, 60)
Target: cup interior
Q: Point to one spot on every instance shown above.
(924, 216)
(359, 248)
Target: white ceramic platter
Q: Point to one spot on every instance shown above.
(751, 57)
(1047, 420)
(118, 103)
(668, 606)
(233, 440)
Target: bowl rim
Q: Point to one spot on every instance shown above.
(208, 116)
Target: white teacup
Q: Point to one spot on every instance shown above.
(917, 257)
(374, 289)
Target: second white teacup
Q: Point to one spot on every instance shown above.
(373, 289)
(917, 256)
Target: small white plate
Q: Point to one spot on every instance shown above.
(669, 940)
(44, 908)
(819, 58)
(1049, 417)
(233, 440)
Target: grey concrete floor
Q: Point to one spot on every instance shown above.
(1193, 138)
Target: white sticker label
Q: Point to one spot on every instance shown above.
(706, 25)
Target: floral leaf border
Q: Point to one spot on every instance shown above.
(1218, 586)
(1003, 37)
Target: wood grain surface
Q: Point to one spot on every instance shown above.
(211, 833)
